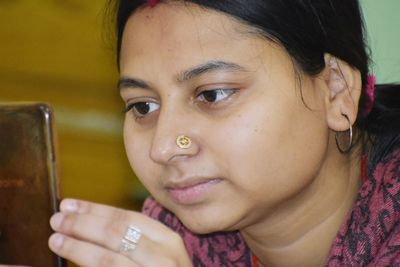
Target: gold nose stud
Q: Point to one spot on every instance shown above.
(183, 141)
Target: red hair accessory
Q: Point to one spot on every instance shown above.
(152, 3)
(369, 90)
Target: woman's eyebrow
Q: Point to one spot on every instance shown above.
(126, 82)
(213, 65)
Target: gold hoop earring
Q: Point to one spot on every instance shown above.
(183, 141)
(350, 144)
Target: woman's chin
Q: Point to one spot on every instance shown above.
(205, 222)
(201, 227)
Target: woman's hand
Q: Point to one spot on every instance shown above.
(90, 234)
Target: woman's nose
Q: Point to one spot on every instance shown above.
(174, 139)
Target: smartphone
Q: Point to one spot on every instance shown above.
(29, 192)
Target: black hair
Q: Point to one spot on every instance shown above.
(308, 29)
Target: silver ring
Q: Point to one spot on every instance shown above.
(130, 240)
(126, 246)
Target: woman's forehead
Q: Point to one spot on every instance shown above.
(168, 19)
(171, 31)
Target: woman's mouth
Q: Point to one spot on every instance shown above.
(193, 192)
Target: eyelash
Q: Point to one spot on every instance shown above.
(133, 107)
(227, 92)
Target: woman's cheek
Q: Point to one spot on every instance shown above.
(137, 155)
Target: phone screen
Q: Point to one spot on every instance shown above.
(28, 185)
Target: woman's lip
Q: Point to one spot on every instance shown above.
(191, 192)
(188, 182)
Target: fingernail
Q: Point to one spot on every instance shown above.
(69, 205)
(56, 241)
(56, 220)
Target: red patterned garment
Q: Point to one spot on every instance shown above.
(370, 236)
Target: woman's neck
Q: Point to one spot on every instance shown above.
(300, 231)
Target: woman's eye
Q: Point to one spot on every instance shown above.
(141, 109)
(215, 95)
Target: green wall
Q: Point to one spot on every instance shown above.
(382, 18)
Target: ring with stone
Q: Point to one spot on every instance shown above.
(130, 240)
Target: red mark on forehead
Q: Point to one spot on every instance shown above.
(152, 3)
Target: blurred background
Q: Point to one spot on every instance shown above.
(61, 52)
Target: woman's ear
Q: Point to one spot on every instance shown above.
(343, 90)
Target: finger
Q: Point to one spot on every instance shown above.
(150, 227)
(81, 206)
(87, 254)
(98, 230)
(110, 234)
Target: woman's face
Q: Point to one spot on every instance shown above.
(256, 147)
